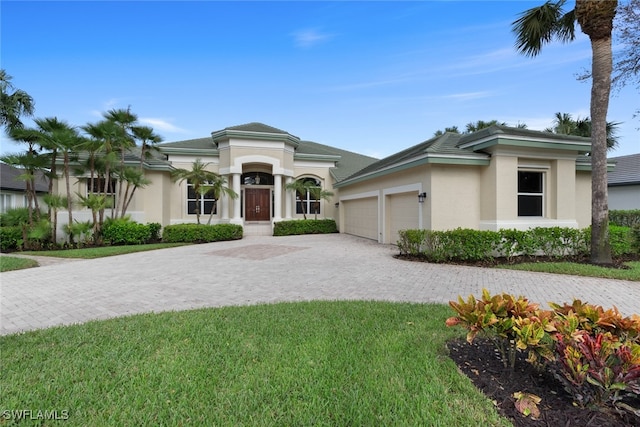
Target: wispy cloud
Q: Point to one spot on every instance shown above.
(161, 124)
(310, 37)
(467, 96)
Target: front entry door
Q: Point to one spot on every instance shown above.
(257, 204)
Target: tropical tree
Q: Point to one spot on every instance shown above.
(217, 186)
(539, 26)
(55, 202)
(319, 194)
(198, 176)
(14, 103)
(481, 124)
(304, 186)
(148, 141)
(125, 121)
(565, 124)
(135, 179)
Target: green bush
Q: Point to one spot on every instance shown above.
(305, 226)
(123, 231)
(10, 238)
(201, 233)
(18, 216)
(628, 218)
(635, 235)
(154, 229)
(621, 240)
(412, 242)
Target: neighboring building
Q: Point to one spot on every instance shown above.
(498, 177)
(13, 189)
(624, 183)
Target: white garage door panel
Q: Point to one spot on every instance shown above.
(403, 212)
(361, 217)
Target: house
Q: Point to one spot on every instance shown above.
(13, 189)
(624, 183)
(498, 177)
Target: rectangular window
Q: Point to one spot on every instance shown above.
(530, 193)
(5, 202)
(96, 186)
(201, 204)
(311, 205)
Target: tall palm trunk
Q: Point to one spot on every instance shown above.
(600, 91)
(596, 21)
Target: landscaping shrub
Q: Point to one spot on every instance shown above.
(635, 238)
(123, 231)
(625, 218)
(477, 245)
(201, 233)
(621, 240)
(305, 226)
(593, 352)
(10, 238)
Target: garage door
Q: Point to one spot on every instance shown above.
(402, 214)
(361, 217)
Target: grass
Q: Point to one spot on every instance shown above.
(312, 363)
(102, 251)
(577, 269)
(9, 263)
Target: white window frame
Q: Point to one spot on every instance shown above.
(542, 194)
(200, 199)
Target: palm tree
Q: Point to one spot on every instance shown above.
(319, 194)
(481, 124)
(13, 103)
(125, 120)
(198, 176)
(300, 187)
(217, 186)
(540, 25)
(148, 141)
(564, 124)
(55, 202)
(135, 179)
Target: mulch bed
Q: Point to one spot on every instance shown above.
(481, 363)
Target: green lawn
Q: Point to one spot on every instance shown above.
(633, 273)
(103, 251)
(312, 363)
(8, 263)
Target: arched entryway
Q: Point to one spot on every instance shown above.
(257, 188)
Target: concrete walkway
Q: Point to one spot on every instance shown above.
(267, 270)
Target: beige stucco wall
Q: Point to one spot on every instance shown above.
(583, 199)
(455, 196)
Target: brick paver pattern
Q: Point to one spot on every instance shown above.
(258, 270)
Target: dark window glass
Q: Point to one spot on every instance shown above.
(529, 206)
(529, 182)
(530, 193)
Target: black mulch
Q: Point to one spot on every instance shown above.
(481, 363)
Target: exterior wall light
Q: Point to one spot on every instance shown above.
(421, 197)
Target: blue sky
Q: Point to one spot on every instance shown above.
(370, 77)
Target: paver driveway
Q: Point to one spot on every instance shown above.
(267, 270)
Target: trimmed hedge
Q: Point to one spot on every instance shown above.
(201, 233)
(628, 218)
(305, 226)
(10, 238)
(126, 232)
(475, 245)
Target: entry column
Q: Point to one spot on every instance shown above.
(287, 199)
(237, 219)
(277, 197)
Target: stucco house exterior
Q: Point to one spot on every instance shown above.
(499, 177)
(13, 189)
(624, 183)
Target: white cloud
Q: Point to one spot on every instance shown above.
(310, 37)
(161, 124)
(467, 96)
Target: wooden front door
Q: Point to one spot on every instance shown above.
(257, 204)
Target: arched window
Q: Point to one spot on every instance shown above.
(310, 204)
(257, 178)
